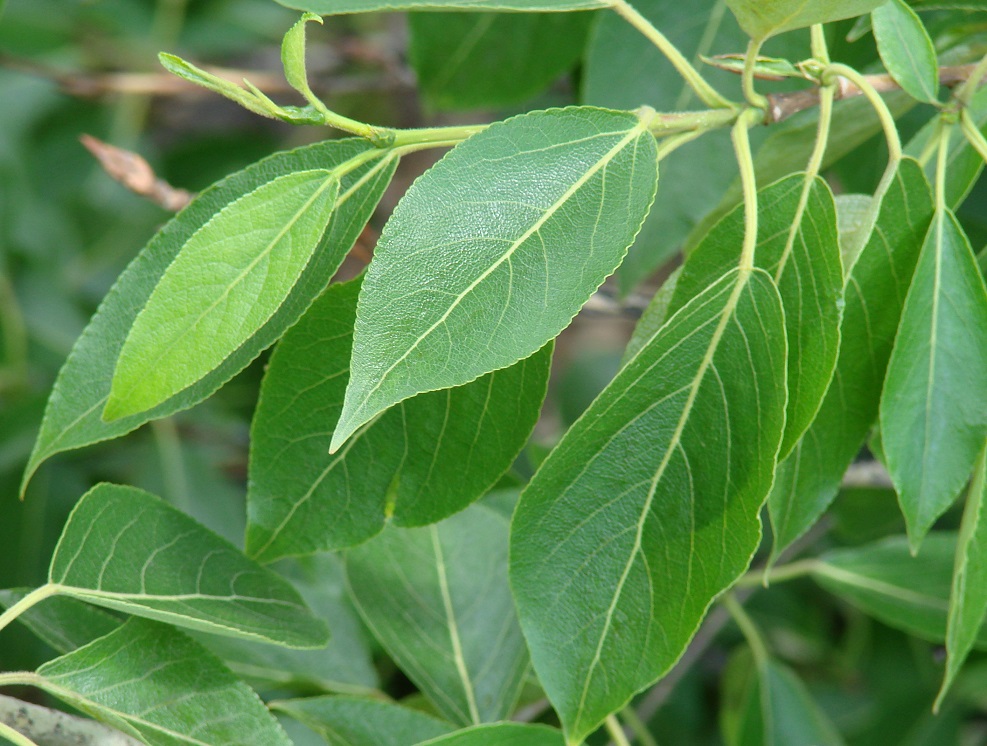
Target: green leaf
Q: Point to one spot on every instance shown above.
(853, 216)
(808, 480)
(766, 703)
(187, 71)
(798, 244)
(473, 60)
(934, 403)
(886, 582)
(363, 722)
(501, 734)
(125, 549)
(427, 458)
(906, 50)
(492, 251)
(293, 54)
(72, 418)
(63, 623)
(225, 284)
(968, 597)
(764, 18)
(334, 7)
(653, 318)
(618, 550)
(437, 599)
(154, 683)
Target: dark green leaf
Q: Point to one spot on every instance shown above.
(654, 316)
(764, 18)
(617, 550)
(226, 283)
(501, 734)
(798, 245)
(125, 549)
(333, 7)
(906, 50)
(472, 60)
(808, 480)
(72, 418)
(438, 600)
(934, 403)
(492, 251)
(364, 722)
(429, 457)
(154, 683)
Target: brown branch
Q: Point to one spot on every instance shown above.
(136, 174)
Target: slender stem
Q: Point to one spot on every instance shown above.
(969, 86)
(641, 732)
(747, 628)
(616, 731)
(826, 96)
(820, 50)
(944, 132)
(707, 94)
(745, 162)
(779, 573)
(881, 108)
(15, 737)
(35, 596)
(429, 135)
(973, 134)
(670, 144)
(18, 678)
(750, 62)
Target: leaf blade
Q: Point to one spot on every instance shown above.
(906, 50)
(764, 18)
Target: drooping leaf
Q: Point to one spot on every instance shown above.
(125, 549)
(473, 60)
(853, 217)
(72, 418)
(492, 251)
(934, 403)
(501, 734)
(764, 18)
(227, 281)
(420, 462)
(617, 550)
(968, 597)
(798, 244)
(154, 683)
(885, 581)
(808, 480)
(766, 703)
(335, 7)
(906, 50)
(63, 623)
(438, 600)
(364, 722)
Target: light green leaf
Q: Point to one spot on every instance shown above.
(187, 71)
(492, 251)
(125, 549)
(335, 7)
(473, 60)
(764, 18)
(427, 458)
(853, 217)
(154, 683)
(968, 598)
(224, 285)
(906, 50)
(808, 480)
(766, 703)
(618, 550)
(934, 403)
(363, 722)
(798, 245)
(437, 599)
(72, 417)
(63, 623)
(501, 734)
(293, 54)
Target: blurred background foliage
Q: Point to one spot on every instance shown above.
(69, 67)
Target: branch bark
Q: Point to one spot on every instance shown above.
(47, 727)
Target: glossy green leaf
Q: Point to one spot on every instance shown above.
(798, 245)
(225, 284)
(764, 18)
(808, 480)
(72, 417)
(885, 581)
(335, 7)
(473, 60)
(125, 549)
(618, 550)
(765, 703)
(427, 458)
(437, 599)
(364, 722)
(63, 623)
(906, 50)
(968, 597)
(501, 734)
(934, 403)
(492, 251)
(154, 683)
